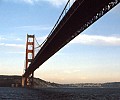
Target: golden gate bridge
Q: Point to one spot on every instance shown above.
(74, 19)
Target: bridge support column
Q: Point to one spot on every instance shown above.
(32, 79)
(28, 81)
(24, 82)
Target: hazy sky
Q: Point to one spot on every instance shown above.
(93, 56)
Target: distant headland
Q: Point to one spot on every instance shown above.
(15, 81)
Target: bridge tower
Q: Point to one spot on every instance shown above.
(29, 57)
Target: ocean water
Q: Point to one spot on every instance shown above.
(7, 93)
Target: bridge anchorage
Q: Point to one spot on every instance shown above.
(28, 81)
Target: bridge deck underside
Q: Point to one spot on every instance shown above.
(81, 12)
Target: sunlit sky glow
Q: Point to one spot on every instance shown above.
(93, 56)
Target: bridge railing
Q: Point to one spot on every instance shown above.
(65, 10)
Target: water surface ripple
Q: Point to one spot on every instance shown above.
(7, 93)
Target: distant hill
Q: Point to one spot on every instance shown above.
(15, 81)
(8, 81)
(95, 85)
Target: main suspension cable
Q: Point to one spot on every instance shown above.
(39, 45)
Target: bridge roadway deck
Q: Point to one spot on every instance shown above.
(81, 12)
